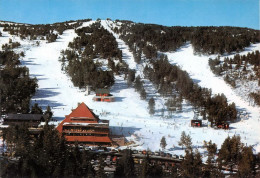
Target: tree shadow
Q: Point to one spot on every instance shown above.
(28, 63)
(117, 87)
(119, 99)
(126, 131)
(45, 93)
(43, 103)
(41, 96)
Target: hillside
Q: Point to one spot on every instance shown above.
(139, 47)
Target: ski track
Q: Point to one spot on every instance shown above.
(199, 70)
(129, 115)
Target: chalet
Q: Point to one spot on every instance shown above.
(84, 127)
(33, 120)
(103, 95)
(196, 123)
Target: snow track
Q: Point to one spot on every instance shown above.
(198, 68)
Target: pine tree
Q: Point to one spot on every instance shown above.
(145, 169)
(48, 115)
(151, 106)
(246, 165)
(128, 163)
(182, 139)
(163, 143)
(36, 109)
(131, 77)
(143, 94)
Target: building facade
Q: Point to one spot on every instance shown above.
(84, 127)
(103, 95)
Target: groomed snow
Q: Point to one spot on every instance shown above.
(128, 115)
(198, 68)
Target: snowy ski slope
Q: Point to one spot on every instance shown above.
(129, 115)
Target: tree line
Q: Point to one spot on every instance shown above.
(93, 42)
(150, 38)
(237, 68)
(17, 87)
(48, 155)
(47, 32)
(169, 78)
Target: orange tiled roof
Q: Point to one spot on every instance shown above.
(81, 111)
(87, 139)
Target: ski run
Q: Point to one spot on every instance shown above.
(129, 115)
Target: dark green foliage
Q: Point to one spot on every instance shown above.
(51, 37)
(162, 74)
(93, 42)
(256, 97)
(211, 148)
(185, 140)
(85, 72)
(191, 166)
(40, 31)
(246, 165)
(138, 85)
(104, 42)
(48, 115)
(210, 40)
(16, 87)
(131, 77)
(163, 143)
(127, 163)
(151, 106)
(219, 40)
(8, 57)
(241, 70)
(143, 94)
(233, 152)
(46, 155)
(36, 109)
(230, 150)
(11, 45)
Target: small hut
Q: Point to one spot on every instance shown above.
(196, 123)
(103, 95)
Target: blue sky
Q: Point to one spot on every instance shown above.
(242, 13)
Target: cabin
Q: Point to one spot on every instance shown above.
(103, 95)
(33, 120)
(85, 128)
(223, 125)
(196, 123)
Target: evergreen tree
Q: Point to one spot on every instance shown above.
(230, 151)
(143, 94)
(182, 139)
(163, 143)
(131, 77)
(48, 115)
(191, 166)
(246, 165)
(128, 163)
(151, 106)
(145, 167)
(36, 109)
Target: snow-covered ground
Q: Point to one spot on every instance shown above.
(199, 70)
(129, 115)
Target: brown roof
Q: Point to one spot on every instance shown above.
(102, 91)
(81, 111)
